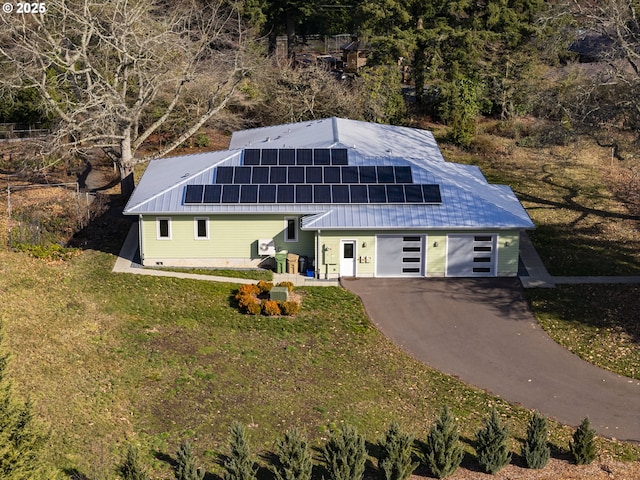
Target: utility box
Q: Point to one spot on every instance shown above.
(280, 294)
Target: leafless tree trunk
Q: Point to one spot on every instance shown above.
(115, 72)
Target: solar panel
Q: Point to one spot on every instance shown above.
(230, 193)
(385, 175)
(260, 175)
(249, 194)
(359, 194)
(285, 194)
(367, 174)
(193, 193)
(413, 193)
(304, 194)
(269, 156)
(267, 194)
(314, 175)
(340, 193)
(332, 175)
(395, 194)
(350, 175)
(251, 156)
(287, 156)
(339, 156)
(296, 174)
(278, 175)
(212, 193)
(242, 175)
(322, 194)
(304, 156)
(431, 193)
(224, 175)
(377, 194)
(403, 174)
(321, 156)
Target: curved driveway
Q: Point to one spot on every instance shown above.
(483, 332)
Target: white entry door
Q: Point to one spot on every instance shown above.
(347, 258)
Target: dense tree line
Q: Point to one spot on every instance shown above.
(116, 75)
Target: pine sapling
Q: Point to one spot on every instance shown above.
(345, 454)
(396, 452)
(132, 469)
(294, 460)
(583, 446)
(186, 468)
(536, 449)
(239, 465)
(491, 444)
(442, 452)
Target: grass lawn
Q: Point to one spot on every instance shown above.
(113, 358)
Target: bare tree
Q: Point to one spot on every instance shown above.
(115, 72)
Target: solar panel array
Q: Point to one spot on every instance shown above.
(320, 175)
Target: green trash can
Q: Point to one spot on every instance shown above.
(281, 262)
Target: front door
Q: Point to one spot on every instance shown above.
(347, 258)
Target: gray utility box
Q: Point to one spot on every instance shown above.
(280, 294)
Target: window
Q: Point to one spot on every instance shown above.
(201, 228)
(290, 229)
(163, 226)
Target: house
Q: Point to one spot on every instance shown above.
(356, 198)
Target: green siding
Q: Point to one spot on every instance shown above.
(229, 237)
(508, 254)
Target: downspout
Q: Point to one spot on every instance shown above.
(318, 255)
(140, 238)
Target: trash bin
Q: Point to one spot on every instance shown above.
(302, 264)
(292, 263)
(281, 258)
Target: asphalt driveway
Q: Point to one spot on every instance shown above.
(483, 332)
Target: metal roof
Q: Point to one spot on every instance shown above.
(468, 201)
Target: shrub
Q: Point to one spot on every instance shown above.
(583, 447)
(395, 456)
(131, 469)
(442, 453)
(253, 307)
(248, 289)
(271, 308)
(238, 465)
(536, 449)
(265, 286)
(345, 454)
(491, 444)
(290, 308)
(289, 285)
(186, 464)
(293, 457)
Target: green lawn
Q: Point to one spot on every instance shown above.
(112, 358)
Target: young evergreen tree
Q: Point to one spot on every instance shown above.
(395, 457)
(239, 465)
(536, 449)
(442, 452)
(293, 457)
(21, 439)
(186, 468)
(583, 446)
(491, 444)
(132, 469)
(345, 454)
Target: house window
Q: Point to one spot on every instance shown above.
(201, 228)
(290, 229)
(163, 226)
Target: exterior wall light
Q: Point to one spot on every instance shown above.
(507, 243)
(435, 244)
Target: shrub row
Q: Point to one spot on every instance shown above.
(249, 303)
(344, 455)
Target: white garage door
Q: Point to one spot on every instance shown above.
(399, 255)
(471, 255)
